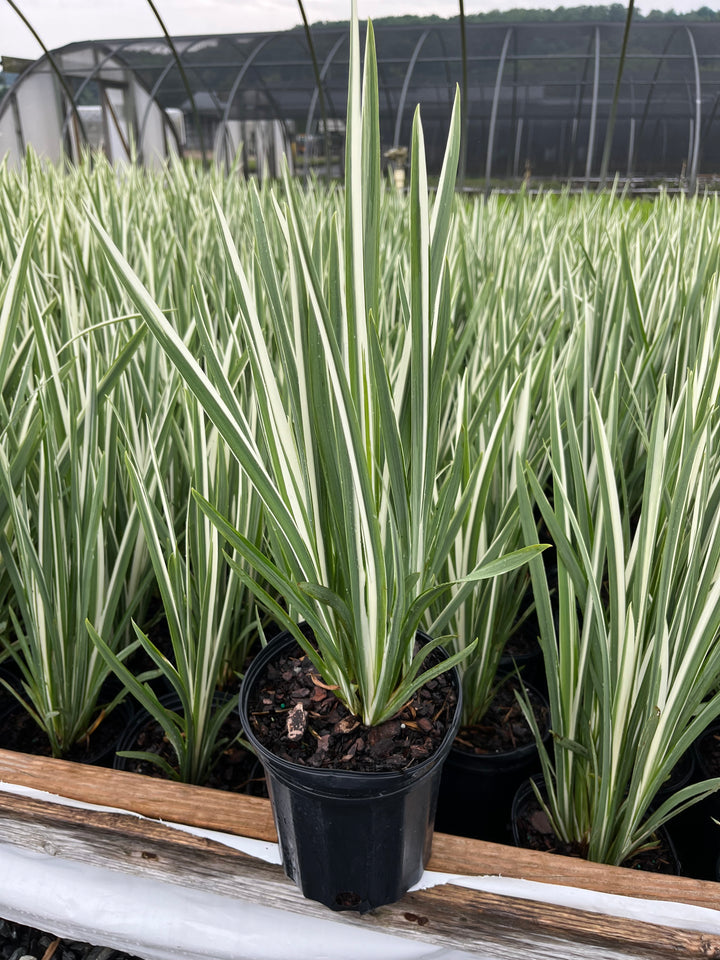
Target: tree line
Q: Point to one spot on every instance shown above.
(612, 13)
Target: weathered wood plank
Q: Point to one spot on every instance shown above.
(195, 806)
(474, 857)
(252, 817)
(453, 916)
(510, 927)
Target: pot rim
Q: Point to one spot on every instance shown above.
(525, 791)
(517, 753)
(391, 778)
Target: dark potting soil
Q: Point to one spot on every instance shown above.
(297, 717)
(21, 733)
(237, 769)
(18, 941)
(504, 727)
(535, 833)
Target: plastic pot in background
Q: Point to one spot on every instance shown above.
(477, 790)
(101, 752)
(700, 837)
(683, 828)
(352, 840)
(528, 817)
(236, 770)
(528, 663)
(18, 731)
(523, 654)
(10, 675)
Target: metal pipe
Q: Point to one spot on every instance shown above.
(236, 83)
(156, 87)
(653, 83)
(693, 162)
(610, 128)
(578, 109)
(323, 73)
(99, 64)
(593, 109)
(53, 64)
(518, 141)
(464, 101)
(406, 83)
(314, 99)
(494, 110)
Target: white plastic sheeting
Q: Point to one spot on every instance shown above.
(266, 140)
(160, 921)
(34, 114)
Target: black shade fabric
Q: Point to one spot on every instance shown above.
(539, 94)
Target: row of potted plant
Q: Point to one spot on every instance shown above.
(407, 498)
(226, 403)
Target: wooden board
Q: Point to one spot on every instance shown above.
(504, 927)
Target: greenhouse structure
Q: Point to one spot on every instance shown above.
(539, 98)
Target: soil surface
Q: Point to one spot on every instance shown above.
(296, 716)
(20, 732)
(535, 833)
(237, 769)
(503, 728)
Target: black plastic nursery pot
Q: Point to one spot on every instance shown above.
(664, 860)
(236, 768)
(528, 663)
(523, 653)
(352, 840)
(477, 790)
(8, 701)
(703, 843)
(19, 732)
(683, 828)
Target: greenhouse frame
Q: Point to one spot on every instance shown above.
(539, 97)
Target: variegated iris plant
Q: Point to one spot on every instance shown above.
(632, 658)
(361, 507)
(353, 381)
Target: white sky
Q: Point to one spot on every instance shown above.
(63, 21)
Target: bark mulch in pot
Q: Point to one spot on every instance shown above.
(503, 728)
(21, 733)
(237, 769)
(297, 717)
(534, 832)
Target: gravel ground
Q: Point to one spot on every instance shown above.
(25, 943)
